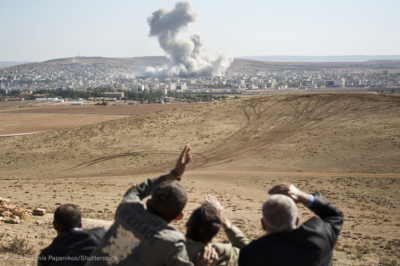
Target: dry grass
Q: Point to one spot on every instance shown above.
(104, 214)
(18, 246)
(389, 262)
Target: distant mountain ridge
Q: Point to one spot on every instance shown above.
(13, 63)
(237, 63)
(321, 59)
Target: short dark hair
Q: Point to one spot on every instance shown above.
(204, 223)
(168, 200)
(66, 217)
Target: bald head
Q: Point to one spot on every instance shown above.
(279, 213)
(66, 217)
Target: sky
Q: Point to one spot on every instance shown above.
(46, 29)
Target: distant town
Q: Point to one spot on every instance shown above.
(119, 81)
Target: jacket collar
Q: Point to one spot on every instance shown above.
(64, 234)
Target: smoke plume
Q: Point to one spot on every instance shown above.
(188, 58)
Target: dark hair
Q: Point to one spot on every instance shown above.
(66, 217)
(168, 200)
(204, 223)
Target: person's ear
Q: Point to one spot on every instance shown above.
(263, 224)
(80, 225)
(180, 216)
(297, 221)
(54, 226)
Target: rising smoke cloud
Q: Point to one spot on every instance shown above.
(188, 58)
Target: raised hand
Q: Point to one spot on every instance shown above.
(290, 191)
(183, 160)
(226, 224)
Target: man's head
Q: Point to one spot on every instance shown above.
(168, 200)
(204, 223)
(279, 214)
(66, 217)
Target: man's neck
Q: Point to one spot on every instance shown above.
(153, 211)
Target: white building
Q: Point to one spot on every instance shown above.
(163, 91)
(339, 82)
(181, 86)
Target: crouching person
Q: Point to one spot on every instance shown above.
(141, 236)
(204, 223)
(72, 245)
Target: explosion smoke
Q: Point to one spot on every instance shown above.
(188, 57)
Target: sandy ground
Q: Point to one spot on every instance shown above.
(345, 146)
(96, 109)
(51, 118)
(14, 123)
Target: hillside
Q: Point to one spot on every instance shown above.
(343, 133)
(316, 59)
(344, 146)
(59, 63)
(237, 63)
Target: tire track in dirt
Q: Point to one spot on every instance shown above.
(268, 121)
(271, 121)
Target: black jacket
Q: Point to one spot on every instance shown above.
(71, 248)
(310, 245)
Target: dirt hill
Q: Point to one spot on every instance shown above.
(349, 133)
(345, 146)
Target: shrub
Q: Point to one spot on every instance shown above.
(20, 246)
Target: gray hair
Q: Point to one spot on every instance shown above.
(279, 213)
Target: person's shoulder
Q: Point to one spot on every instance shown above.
(169, 238)
(222, 248)
(222, 245)
(313, 222)
(315, 227)
(96, 231)
(89, 236)
(260, 242)
(254, 250)
(170, 234)
(46, 251)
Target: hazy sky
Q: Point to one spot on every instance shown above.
(46, 29)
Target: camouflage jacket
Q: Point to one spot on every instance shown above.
(228, 253)
(140, 237)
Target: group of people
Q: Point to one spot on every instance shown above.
(142, 233)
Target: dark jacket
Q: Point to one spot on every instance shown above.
(71, 248)
(310, 245)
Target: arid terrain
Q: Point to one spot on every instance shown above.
(52, 116)
(343, 145)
